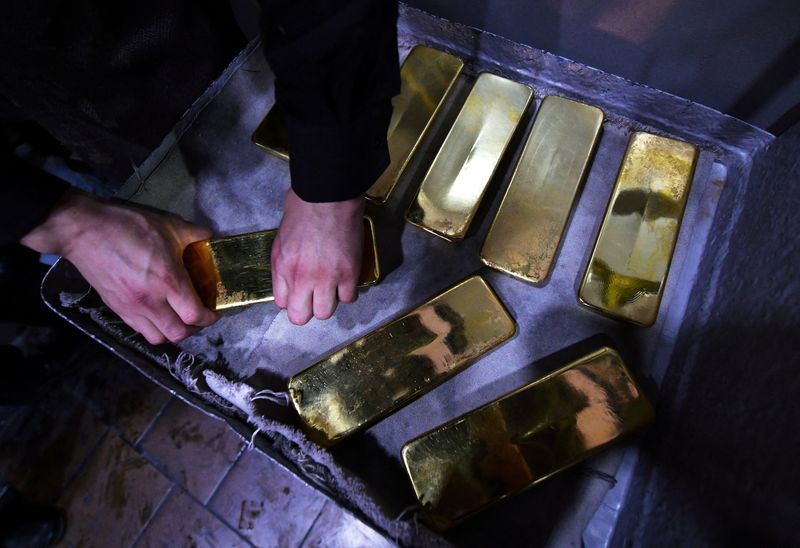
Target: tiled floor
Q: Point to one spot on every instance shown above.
(132, 466)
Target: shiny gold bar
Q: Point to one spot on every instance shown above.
(459, 175)
(426, 79)
(524, 437)
(367, 380)
(272, 135)
(236, 270)
(530, 222)
(630, 261)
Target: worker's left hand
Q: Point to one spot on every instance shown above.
(316, 256)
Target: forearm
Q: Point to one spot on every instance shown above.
(27, 195)
(68, 218)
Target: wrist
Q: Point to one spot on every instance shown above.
(352, 208)
(63, 225)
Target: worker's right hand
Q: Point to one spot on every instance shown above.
(132, 258)
(316, 256)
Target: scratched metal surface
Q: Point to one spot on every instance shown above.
(211, 173)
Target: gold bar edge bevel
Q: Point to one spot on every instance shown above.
(692, 172)
(585, 174)
(591, 452)
(374, 241)
(262, 143)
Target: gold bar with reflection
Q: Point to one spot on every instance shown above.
(426, 79)
(631, 257)
(272, 135)
(524, 437)
(531, 219)
(372, 377)
(236, 270)
(459, 175)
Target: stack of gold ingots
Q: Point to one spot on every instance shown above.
(539, 429)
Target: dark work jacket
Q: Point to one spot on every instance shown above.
(109, 81)
(336, 70)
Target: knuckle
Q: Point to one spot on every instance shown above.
(208, 318)
(301, 274)
(349, 282)
(176, 333)
(293, 272)
(346, 273)
(132, 294)
(164, 276)
(193, 316)
(155, 339)
(138, 297)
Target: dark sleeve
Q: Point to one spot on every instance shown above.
(27, 195)
(336, 70)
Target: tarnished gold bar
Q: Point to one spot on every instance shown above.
(630, 261)
(459, 175)
(516, 441)
(426, 78)
(367, 380)
(272, 135)
(530, 222)
(236, 270)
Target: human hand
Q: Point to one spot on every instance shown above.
(316, 256)
(132, 258)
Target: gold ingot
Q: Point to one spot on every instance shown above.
(374, 376)
(237, 271)
(530, 222)
(630, 261)
(272, 135)
(426, 79)
(459, 175)
(524, 437)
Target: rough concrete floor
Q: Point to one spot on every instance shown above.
(131, 465)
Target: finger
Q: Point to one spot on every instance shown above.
(299, 304)
(280, 285)
(138, 323)
(146, 328)
(187, 304)
(347, 292)
(280, 289)
(167, 321)
(324, 301)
